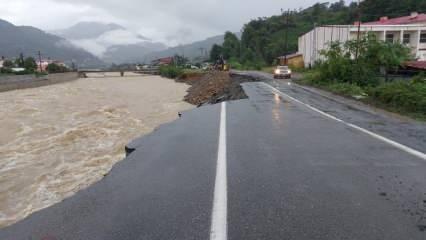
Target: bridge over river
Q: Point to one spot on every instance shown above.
(121, 73)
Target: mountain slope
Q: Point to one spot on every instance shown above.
(29, 40)
(194, 51)
(132, 53)
(84, 30)
(110, 42)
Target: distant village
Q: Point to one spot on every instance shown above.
(29, 65)
(176, 60)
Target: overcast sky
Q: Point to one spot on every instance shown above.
(168, 21)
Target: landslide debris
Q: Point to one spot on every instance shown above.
(214, 87)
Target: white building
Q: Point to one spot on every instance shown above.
(2, 59)
(410, 30)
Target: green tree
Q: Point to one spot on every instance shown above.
(20, 62)
(30, 64)
(263, 39)
(215, 52)
(8, 64)
(180, 60)
(373, 9)
(231, 46)
(56, 68)
(373, 56)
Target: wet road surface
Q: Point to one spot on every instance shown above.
(291, 173)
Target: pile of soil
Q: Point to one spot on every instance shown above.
(214, 87)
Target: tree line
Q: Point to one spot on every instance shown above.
(264, 39)
(30, 65)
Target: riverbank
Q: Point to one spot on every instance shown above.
(14, 82)
(58, 139)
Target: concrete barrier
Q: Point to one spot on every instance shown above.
(8, 83)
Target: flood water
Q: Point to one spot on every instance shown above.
(58, 139)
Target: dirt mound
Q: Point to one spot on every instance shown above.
(214, 87)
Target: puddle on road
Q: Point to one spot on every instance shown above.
(56, 140)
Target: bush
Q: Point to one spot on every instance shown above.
(171, 71)
(235, 64)
(408, 96)
(347, 89)
(253, 65)
(56, 68)
(373, 56)
(6, 70)
(421, 78)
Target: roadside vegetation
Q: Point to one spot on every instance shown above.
(360, 70)
(29, 64)
(171, 71)
(264, 39)
(181, 68)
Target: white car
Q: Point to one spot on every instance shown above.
(282, 72)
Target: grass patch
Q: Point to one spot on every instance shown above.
(407, 97)
(171, 71)
(347, 89)
(268, 69)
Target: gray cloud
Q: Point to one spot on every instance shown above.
(170, 21)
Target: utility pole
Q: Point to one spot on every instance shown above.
(286, 36)
(201, 51)
(39, 61)
(359, 30)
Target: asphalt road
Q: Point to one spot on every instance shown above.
(285, 171)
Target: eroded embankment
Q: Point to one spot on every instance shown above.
(208, 88)
(214, 87)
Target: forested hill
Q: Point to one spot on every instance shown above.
(373, 9)
(263, 39)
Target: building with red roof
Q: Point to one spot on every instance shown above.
(163, 61)
(414, 18)
(409, 30)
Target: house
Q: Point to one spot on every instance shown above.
(2, 61)
(292, 60)
(415, 65)
(17, 69)
(163, 61)
(409, 30)
(45, 62)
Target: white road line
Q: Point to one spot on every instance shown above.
(219, 227)
(381, 138)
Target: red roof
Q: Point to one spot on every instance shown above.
(412, 19)
(416, 64)
(291, 55)
(167, 60)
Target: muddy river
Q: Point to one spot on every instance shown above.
(58, 139)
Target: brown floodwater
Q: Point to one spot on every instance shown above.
(58, 139)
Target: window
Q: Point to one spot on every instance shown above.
(406, 39)
(423, 38)
(389, 37)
